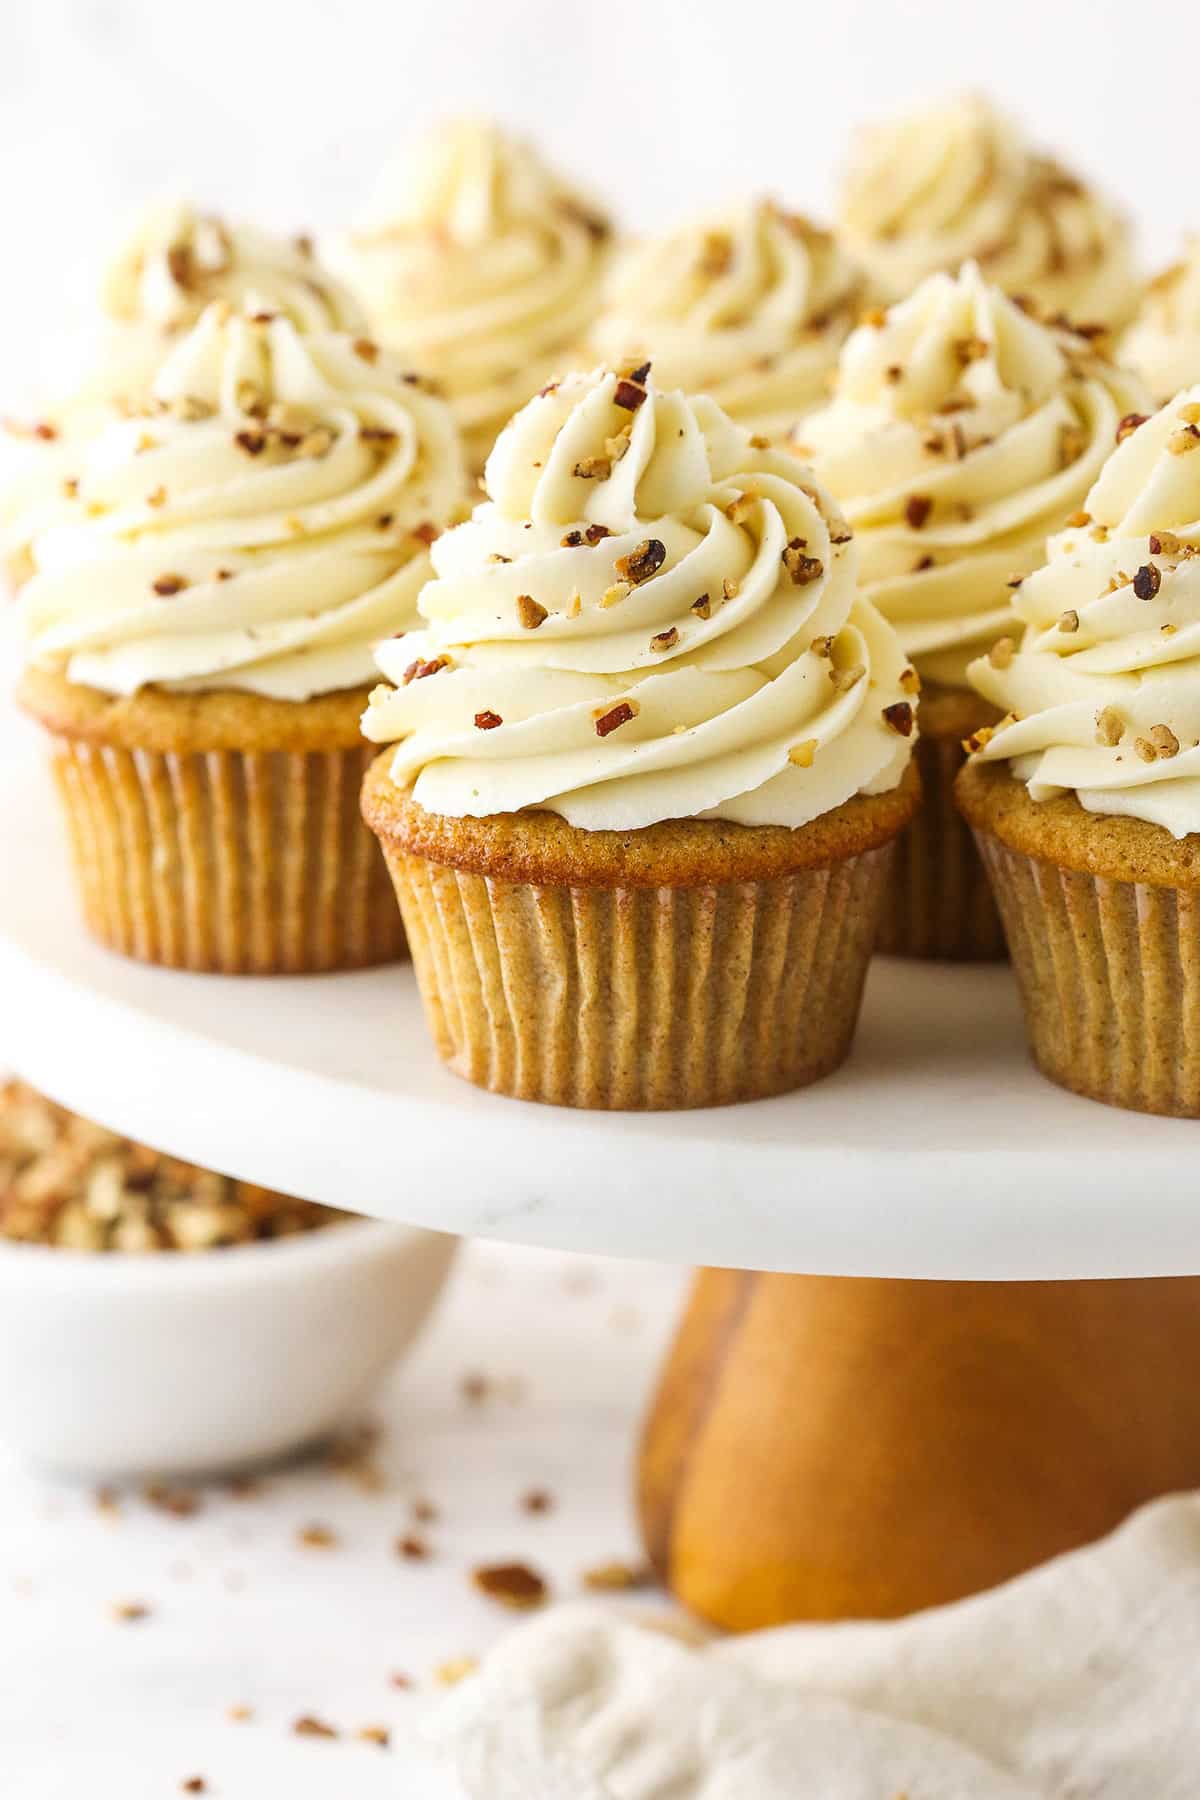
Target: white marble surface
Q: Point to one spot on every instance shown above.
(241, 1614)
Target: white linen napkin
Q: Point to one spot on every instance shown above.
(1079, 1681)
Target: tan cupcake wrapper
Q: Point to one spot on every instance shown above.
(641, 997)
(1109, 973)
(939, 904)
(239, 862)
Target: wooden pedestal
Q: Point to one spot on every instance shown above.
(825, 1448)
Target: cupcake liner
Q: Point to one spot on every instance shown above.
(939, 904)
(241, 862)
(1109, 973)
(641, 997)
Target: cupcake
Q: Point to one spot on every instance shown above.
(749, 306)
(1085, 798)
(483, 266)
(931, 189)
(1163, 343)
(175, 262)
(651, 754)
(209, 583)
(962, 431)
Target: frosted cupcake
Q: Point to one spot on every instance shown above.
(928, 190)
(651, 753)
(1163, 343)
(1085, 799)
(209, 583)
(174, 263)
(961, 433)
(482, 266)
(749, 306)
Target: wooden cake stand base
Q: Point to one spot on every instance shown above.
(826, 1448)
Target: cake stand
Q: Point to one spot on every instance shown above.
(908, 1370)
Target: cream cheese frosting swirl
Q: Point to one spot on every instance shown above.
(259, 526)
(177, 261)
(1103, 693)
(480, 264)
(962, 432)
(1163, 343)
(928, 190)
(749, 306)
(649, 618)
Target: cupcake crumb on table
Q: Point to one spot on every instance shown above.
(67, 1182)
(1085, 796)
(962, 430)
(640, 841)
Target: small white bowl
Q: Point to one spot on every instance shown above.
(118, 1365)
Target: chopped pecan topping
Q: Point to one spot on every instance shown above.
(418, 670)
(1147, 581)
(802, 569)
(617, 1577)
(1145, 749)
(1166, 744)
(309, 1726)
(802, 754)
(1080, 519)
(645, 560)
(1110, 727)
(367, 349)
(900, 717)
(979, 740)
(593, 468)
(970, 349)
(731, 588)
(166, 585)
(1185, 439)
(530, 613)
(917, 509)
(616, 716)
(844, 679)
(487, 721)
(716, 253)
(1129, 424)
(874, 316)
(412, 1548)
(629, 392)
(702, 607)
(910, 681)
(512, 1584)
(252, 442)
(1068, 621)
(1001, 653)
(665, 640)
(613, 596)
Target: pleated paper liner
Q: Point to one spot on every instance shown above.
(939, 903)
(233, 860)
(1108, 965)
(598, 986)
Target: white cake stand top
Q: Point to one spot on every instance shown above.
(936, 1152)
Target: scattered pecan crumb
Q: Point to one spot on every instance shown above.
(156, 497)
(194, 1784)
(166, 585)
(374, 1734)
(318, 442)
(511, 1584)
(239, 1715)
(1072, 442)
(802, 754)
(309, 1726)
(900, 717)
(487, 721)
(1185, 439)
(874, 316)
(731, 588)
(400, 1681)
(894, 373)
(316, 1537)
(665, 640)
(1068, 621)
(449, 1674)
(917, 509)
(412, 1548)
(179, 1503)
(616, 716)
(614, 1577)
(979, 740)
(702, 607)
(822, 646)
(613, 596)
(1147, 581)
(425, 533)
(130, 1612)
(1145, 749)
(1001, 653)
(537, 1500)
(844, 679)
(252, 442)
(529, 613)
(970, 349)
(367, 349)
(1129, 424)
(643, 561)
(424, 1511)
(595, 534)
(1080, 519)
(593, 468)
(759, 442)
(1166, 744)
(475, 1387)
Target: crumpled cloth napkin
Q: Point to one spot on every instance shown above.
(1079, 1681)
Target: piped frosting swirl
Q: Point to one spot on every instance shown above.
(962, 432)
(749, 306)
(259, 525)
(926, 191)
(1102, 695)
(1163, 343)
(480, 264)
(649, 618)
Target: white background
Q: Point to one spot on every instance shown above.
(287, 110)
